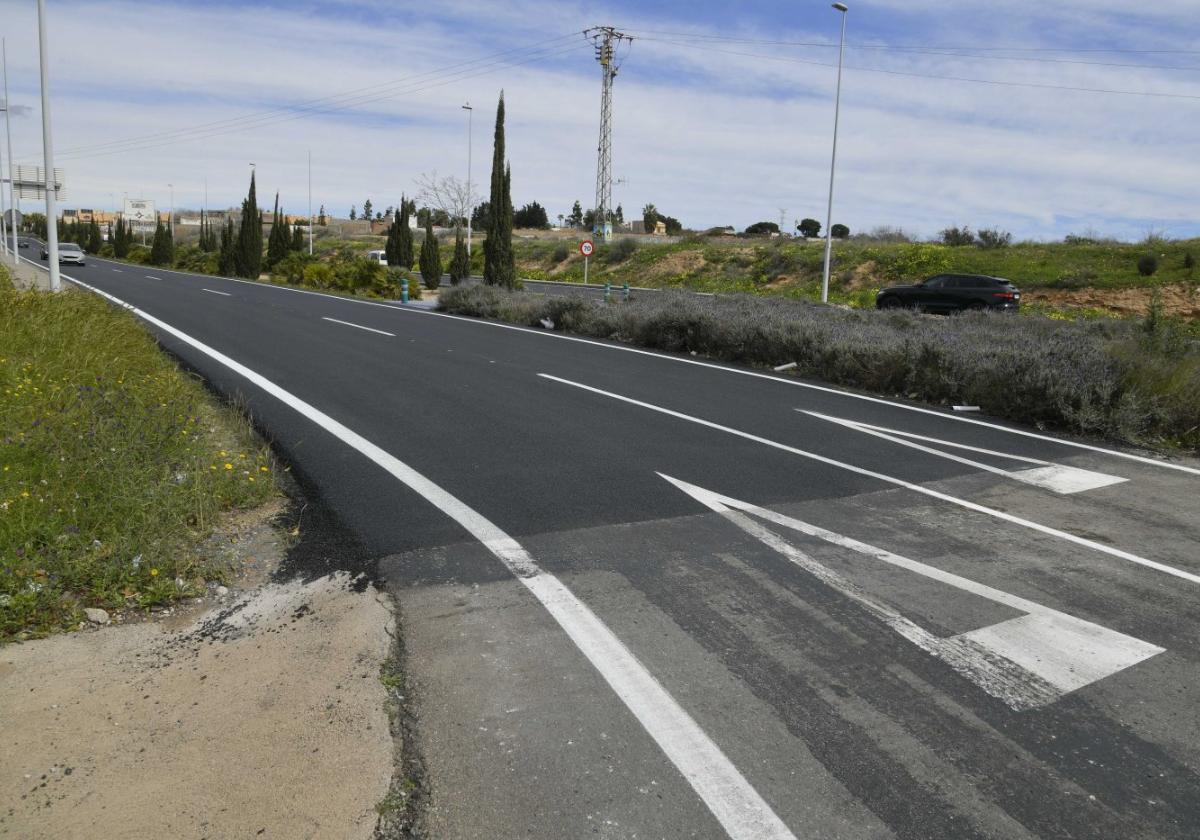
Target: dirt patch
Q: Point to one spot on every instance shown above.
(1180, 300)
(262, 715)
(674, 264)
(864, 276)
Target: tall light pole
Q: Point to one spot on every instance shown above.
(48, 153)
(171, 212)
(837, 105)
(12, 200)
(470, 202)
(310, 218)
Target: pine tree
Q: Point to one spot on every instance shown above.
(431, 259)
(248, 250)
(353, 214)
(280, 239)
(321, 217)
(460, 265)
(367, 209)
(227, 252)
(404, 238)
(499, 264)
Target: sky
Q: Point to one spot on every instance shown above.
(1041, 119)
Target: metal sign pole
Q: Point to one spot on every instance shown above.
(48, 152)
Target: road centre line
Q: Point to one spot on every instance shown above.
(720, 785)
(899, 482)
(358, 326)
(714, 366)
(215, 292)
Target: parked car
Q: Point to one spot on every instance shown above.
(952, 293)
(22, 244)
(378, 256)
(68, 252)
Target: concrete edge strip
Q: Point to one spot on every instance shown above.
(899, 482)
(724, 790)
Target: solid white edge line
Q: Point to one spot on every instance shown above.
(215, 292)
(720, 785)
(714, 366)
(358, 326)
(899, 482)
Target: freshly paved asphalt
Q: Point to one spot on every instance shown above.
(840, 722)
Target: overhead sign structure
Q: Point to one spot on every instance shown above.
(586, 247)
(30, 182)
(140, 214)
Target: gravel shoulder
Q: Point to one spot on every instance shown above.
(262, 715)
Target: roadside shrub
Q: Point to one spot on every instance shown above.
(191, 258)
(915, 260)
(957, 237)
(560, 254)
(1147, 266)
(139, 254)
(994, 238)
(318, 275)
(291, 268)
(356, 273)
(1189, 262)
(1075, 278)
(393, 282)
(1091, 376)
(106, 250)
(620, 250)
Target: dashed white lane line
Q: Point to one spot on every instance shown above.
(1027, 661)
(738, 371)
(720, 785)
(1061, 478)
(215, 292)
(117, 270)
(899, 482)
(152, 277)
(359, 326)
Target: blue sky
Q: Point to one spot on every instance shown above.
(722, 111)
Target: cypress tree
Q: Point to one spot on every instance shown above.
(159, 249)
(298, 237)
(460, 265)
(248, 250)
(391, 247)
(431, 259)
(404, 239)
(279, 239)
(499, 263)
(227, 252)
(95, 240)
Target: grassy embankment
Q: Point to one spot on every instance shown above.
(114, 464)
(1133, 381)
(1100, 276)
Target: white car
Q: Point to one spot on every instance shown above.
(378, 256)
(68, 252)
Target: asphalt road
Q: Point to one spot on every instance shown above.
(644, 596)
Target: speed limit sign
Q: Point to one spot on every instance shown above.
(586, 247)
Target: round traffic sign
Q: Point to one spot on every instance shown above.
(586, 247)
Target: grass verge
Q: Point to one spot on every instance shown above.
(1133, 381)
(114, 464)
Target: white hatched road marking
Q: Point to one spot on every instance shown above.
(358, 326)
(720, 785)
(899, 482)
(1026, 662)
(1060, 478)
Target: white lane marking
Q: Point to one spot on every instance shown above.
(1060, 478)
(152, 277)
(358, 326)
(899, 482)
(215, 292)
(117, 270)
(714, 366)
(1028, 661)
(729, 796)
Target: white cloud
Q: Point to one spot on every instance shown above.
(709, 136)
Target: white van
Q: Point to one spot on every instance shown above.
(378, 256)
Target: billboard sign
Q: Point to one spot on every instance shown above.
(140, 214)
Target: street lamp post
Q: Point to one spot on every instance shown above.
(48, 153)
(171, 212)
(837, 104)
(470, 203)
(12, 199)
(310, 218)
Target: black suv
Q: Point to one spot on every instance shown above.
(952, 293)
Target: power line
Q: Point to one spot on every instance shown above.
(645, 33)
(1002, 83)
(334, 103)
